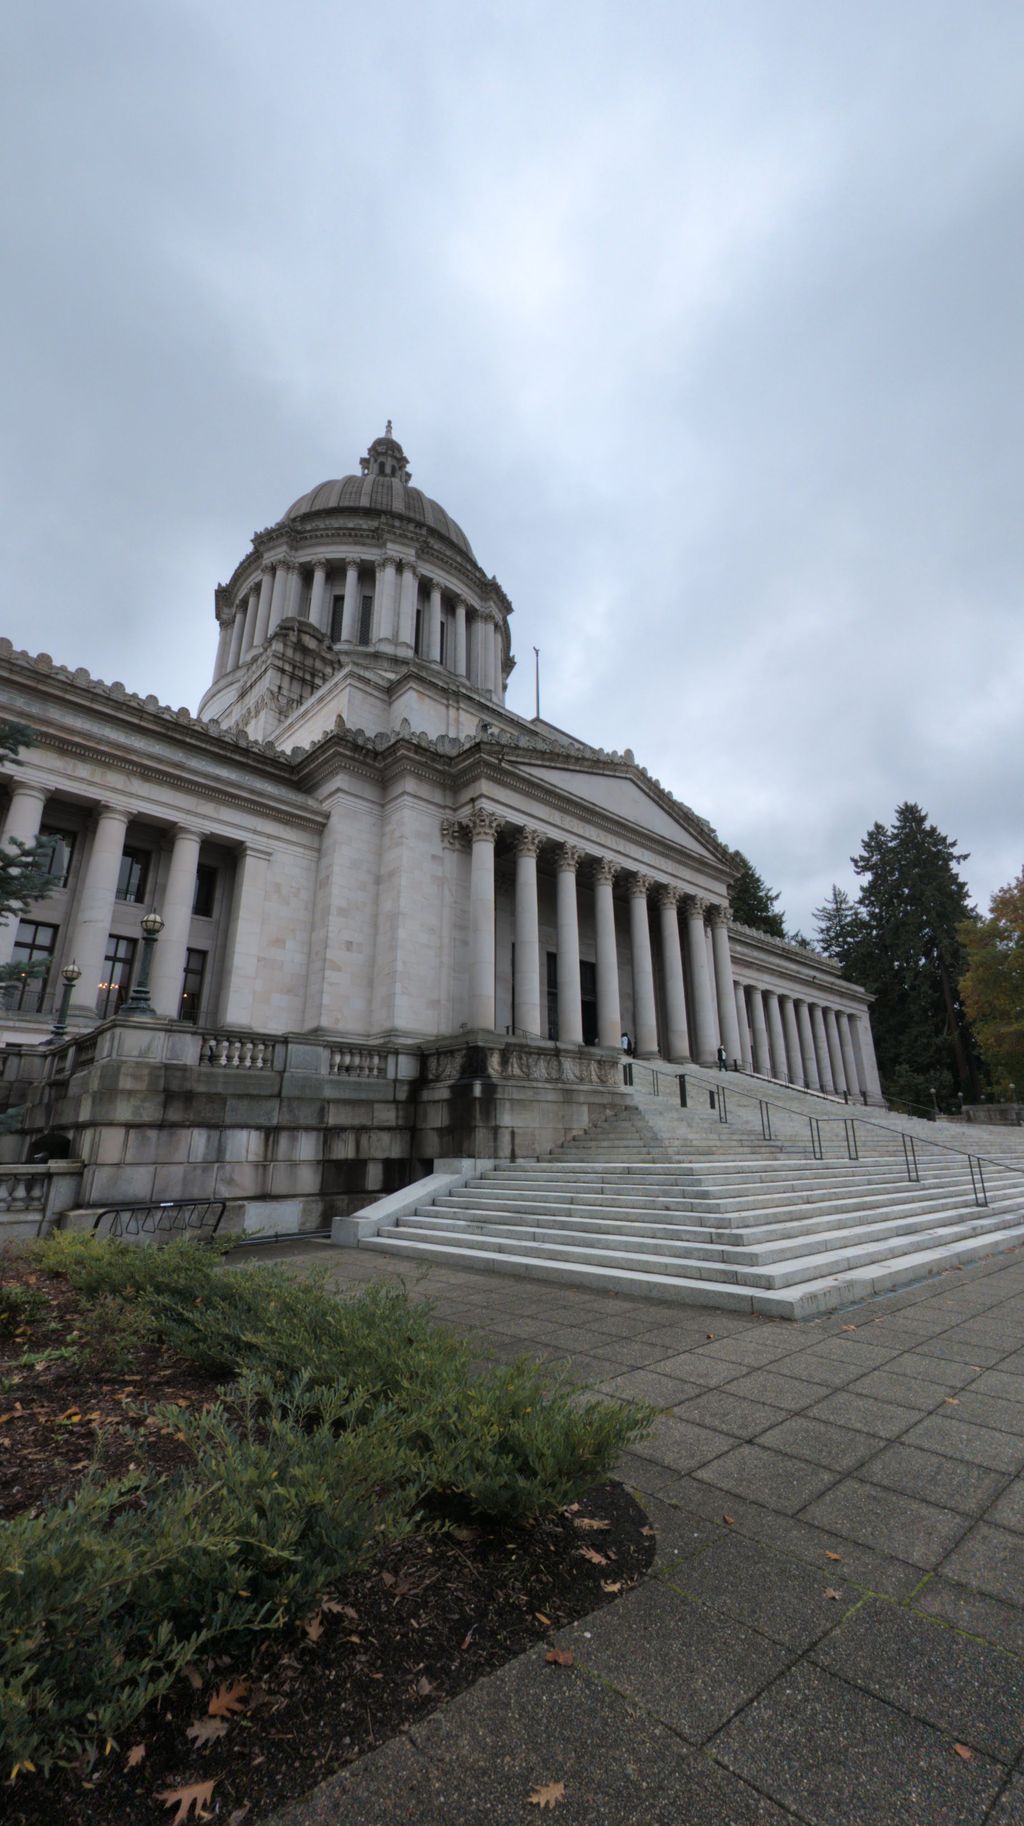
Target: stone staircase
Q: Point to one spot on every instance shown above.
(671, 1203)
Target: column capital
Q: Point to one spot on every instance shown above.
(605, 869)
(527, 842)
(320, 564)
(410, 564)
(186, 830)
(569, 857)
(352, 564)
(718, 915)
(483, 825)
(667, 895)
(28, 789)
(694, 907)
(268, 567)
(639, 886)
(453, 834)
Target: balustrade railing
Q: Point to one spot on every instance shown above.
(237, 1052)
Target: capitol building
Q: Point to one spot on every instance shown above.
(400, 922)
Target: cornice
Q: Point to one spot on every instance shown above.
(583, 759)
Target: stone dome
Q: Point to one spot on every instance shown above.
(383, 487)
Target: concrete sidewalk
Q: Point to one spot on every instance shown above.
(846, 1649)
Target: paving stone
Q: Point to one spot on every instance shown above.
(679, 1445)
(679, 1534)
(690, 1366)
(1008, 1512)
(886, 1519)
(868, 1353)
(991, 1411)
(991, 1560)
(817, 1366)
(770, 1478)
(728, 1412)
(631, 1353)
(946, 1375)
(833, 1753)
(863, 1414)
(966, 1688)
(957, 1438)
(643, 1473)
(779, 1597)
(998, 1382)
(682, 1662)
(878, 1572)
(954, 1350)
(392, 1787)
(972, 1611)
(648, 1385)
(1009, 1808)
(838, 1448)
(752, 1352)
(777, 1389)
(951, 1483)
(905, 1391)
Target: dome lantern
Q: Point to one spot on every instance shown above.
(386, 457)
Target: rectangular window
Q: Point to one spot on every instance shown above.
(133, 875)
(192, 986)
(417, 643)
(588, 1000)
(552, 995)
(444, 632)
(365, 620)
(58, 852)
(337, 618)
(34, 945)
(117, 975)
(206, 891)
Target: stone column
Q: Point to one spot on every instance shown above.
(225, 630)
(318, 605)
(483, 828)
(407, 606)
(497, 655)
(293, 592)
(807, 1059)
(24, 816)
(434, 624)
(609, 1014)
(279, 598)
(229, 651)
(461, 666)
(759, 1029)
(96, 904)
(570, 1011)
(677, 1037)
(704, 1043)
(724, 985)
(834, 1053)
(743, 1027)
(263, 611)
(645, 1013)
(864, 1047)
(825, 1080)
(853, 1084)
(350, 606)
(169, 953)
(385, 601)
(796, 1068)
(711, 984)
(252, 609)
(527, 973)
(775, 1034)
(473, 648)
(242, 950)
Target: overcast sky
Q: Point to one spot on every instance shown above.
(704, 320)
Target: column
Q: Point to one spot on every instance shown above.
(24, 816)
(473, 648)
(293, 592)
(677, 1037)
(235, 639)
(793, 1054)
(434, 624)
(527, 971)
(807, 1058)
(864, 1043)
(609, 1015)
(252, 609)
(724, 984)
(775, 1035)
(407, 606)
(263, 612)
(384, 601)
(825, 1079)
(835, 1057)
(644, 1012)
(318, 604)
(498, 656)
(242, 951)
(704, 1036)
(96, 904)
(279, 595)
(846, 1050)
(461, 659)
(759, 1031)
(224, 638)
(169, 954)
(711, 984)
(483, 828)
(350, 606)
(743, 1026)
(570, 1011)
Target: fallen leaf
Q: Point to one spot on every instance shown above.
(591, 1554)
(832, 1556)
(831, 1592)
(548, 1795)
(228, 1698)
(586, 1521)
(710, 1334)
(561, 1657)
(185, 1799)
(464, 1534)
(387, 1578)
(313, 1627)
(729, 1520)
(648, 1531)
(424, 1686)
(335, 1609)
(135, 1756)
(611, 1586)
(539, 1614)
(849, 1328)
(951, 1401)
(240, 1814)
(962, 1750)
(466, 1640)
(195, 1678)
(207, 1730)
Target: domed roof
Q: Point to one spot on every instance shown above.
(383, 487)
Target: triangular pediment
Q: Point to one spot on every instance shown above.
(619, 791)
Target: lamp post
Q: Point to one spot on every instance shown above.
(138, 1001)
(69, 976)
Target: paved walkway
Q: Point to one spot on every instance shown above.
(847, 1649)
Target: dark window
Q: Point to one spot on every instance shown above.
(206, 891)
(588, 999)
(192, 986)
(552, 995)
(365, 620)
(34, 944)
(337, 617)
(134, 873)
(117, 975)
(418, 637)
(57, 848)
(444, 631)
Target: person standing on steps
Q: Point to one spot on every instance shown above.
(723, 1060)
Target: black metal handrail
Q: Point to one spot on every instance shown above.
(170, 1217)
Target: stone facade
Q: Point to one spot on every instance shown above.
(358, 851)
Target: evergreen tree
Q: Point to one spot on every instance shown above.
(910, 955)
(837, 923)
(992, 989)
(25, 868)
(751, 900)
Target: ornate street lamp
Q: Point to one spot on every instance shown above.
(138, 1001)
(69, 976)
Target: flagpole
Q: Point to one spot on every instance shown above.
(536, 681)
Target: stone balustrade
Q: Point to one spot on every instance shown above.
(33, 1197)
(237, 1052)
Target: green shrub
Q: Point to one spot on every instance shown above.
(20, 1306)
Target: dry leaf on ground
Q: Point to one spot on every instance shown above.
(611, 1586)
(591, 1554)
(185, 1799)
(830, 1592)
(586, 1521)
(228, 1698)
(562, 1657)
(963, 1751)
(547, 1795)
(729, 1520)
(135, 1756)
(539, 1614)
(207, 1730)
(832, 1556)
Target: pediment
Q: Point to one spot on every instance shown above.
(619, 792)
